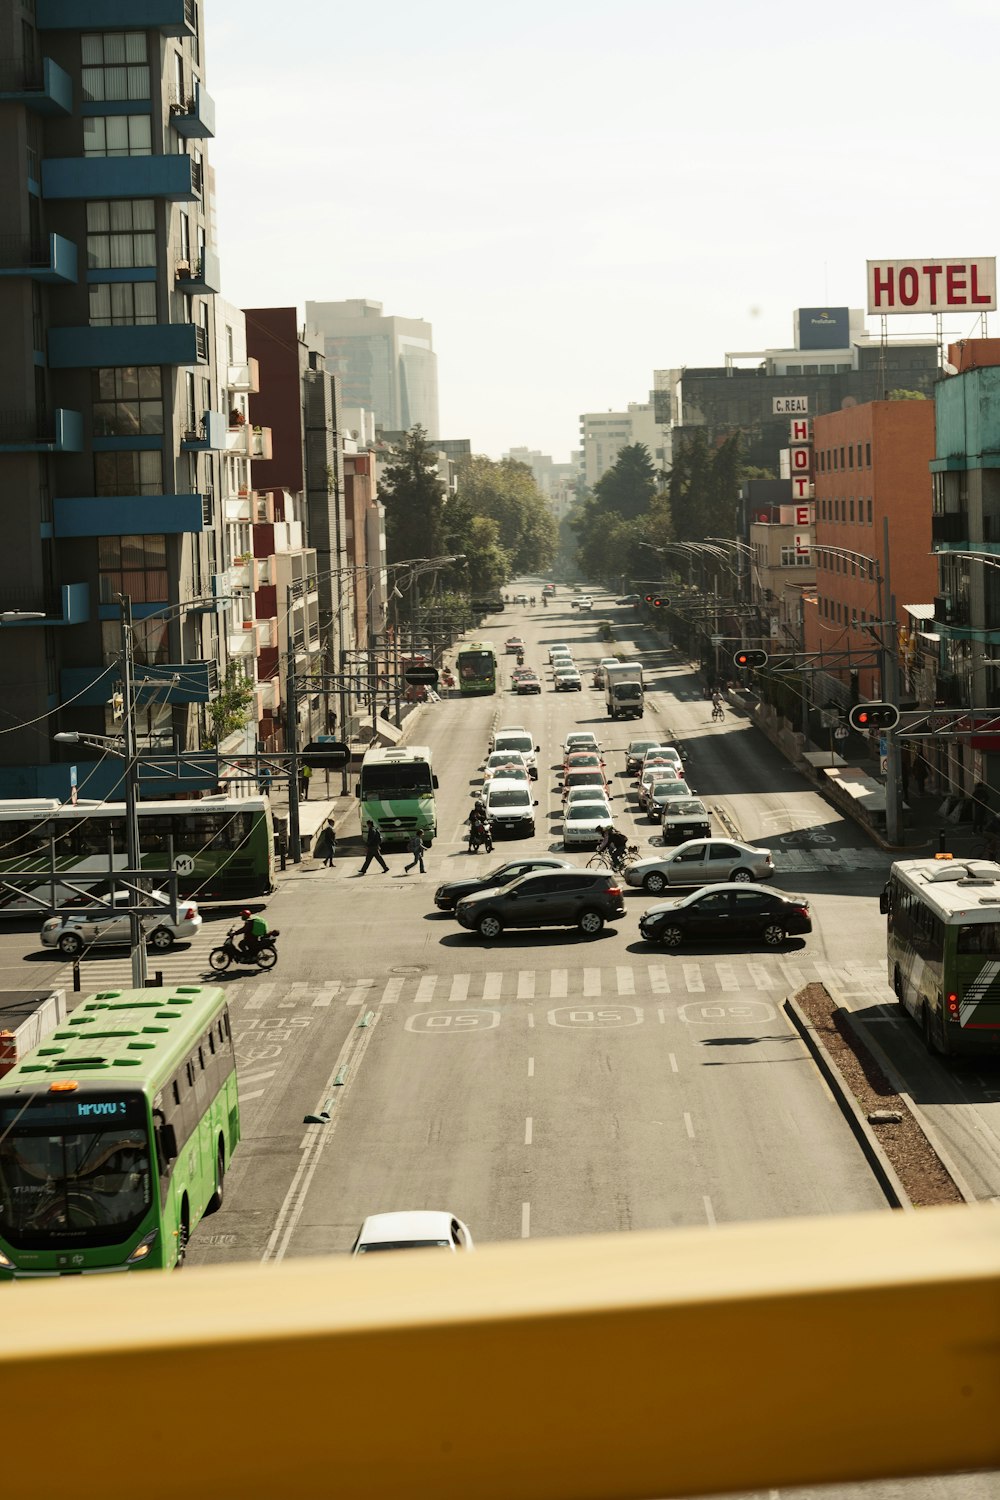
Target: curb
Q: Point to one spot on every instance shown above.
(882, 1169)
(898, 1086)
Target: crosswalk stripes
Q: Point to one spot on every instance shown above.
(559, 984)
(459, 988)
(262, 992)
(694, 979)
(393, 990)
(526, 984)
(658, 979)
(328, 993)
(727, 977)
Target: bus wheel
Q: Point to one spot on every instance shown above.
(218, 1197)
(927, 1028)
(183, 1233)
(897, 988)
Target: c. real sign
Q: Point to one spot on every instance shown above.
(789, 406)
(932, 286)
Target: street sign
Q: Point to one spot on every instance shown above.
(184, 864)
(324, 754)
(841, 733)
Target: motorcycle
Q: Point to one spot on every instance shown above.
(229, 953)
(481, 834)
(520, 658)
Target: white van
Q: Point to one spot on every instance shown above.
(520, 740)
(511, 806)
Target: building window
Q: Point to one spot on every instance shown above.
(128, 474)
(120, 302)
(803, 559)
(859, 455)
(114, 65)
(842, 458)
(869, 510)
(121, 234)
(126, 401)
(117, 135)
(868, 455)
(851, 503)
(850, 455)
(133, 565)
(150, 640)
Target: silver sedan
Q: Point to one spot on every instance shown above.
(701, 861)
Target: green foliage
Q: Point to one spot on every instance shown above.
(487, 564)
(413, 494)
(230, 710)
(901, 394)
(506, 493)
(629, 485)
(703, 486)
(625, 512)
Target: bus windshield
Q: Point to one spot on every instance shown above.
(405, 779)
(65, 1179)
(481, 662)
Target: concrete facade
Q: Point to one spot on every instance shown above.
(384, 363)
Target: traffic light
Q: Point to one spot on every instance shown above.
(660, 603)
(649, 598)
(750, 658)
(865, 716)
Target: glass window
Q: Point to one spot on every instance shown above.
(117, 135)
(869, 511)
(127, 401)
(115, 303)
(128, 474)
(135, 565)
(114, 65)
(868, 455)
(121, 234)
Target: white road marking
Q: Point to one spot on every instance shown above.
(558, 984)
(526, 984)
(658, 980)
(760, 976)
(531, 1067)
(425, 990)
(327, 995)
(626, 981)
(527, 1131)
(709, 1211)
(689, 1125)
(358, 995)
(459, 988)
(673, 1063)
(261, 994)
(525, 1220)
(257, 1094)
(727, 977)
(492, 986)
(693, 979)
(591, 981)
(393, 990)
(256, 1077)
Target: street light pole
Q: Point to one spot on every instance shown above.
(136, 940)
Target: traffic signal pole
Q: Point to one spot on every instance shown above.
(890, 687)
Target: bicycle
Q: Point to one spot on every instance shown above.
(718, 712)
(604, 859)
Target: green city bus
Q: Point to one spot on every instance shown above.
(116, 1133)
(396, 790)
(476, 665)
(223, 846)
(943, 950)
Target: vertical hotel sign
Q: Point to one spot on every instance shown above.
(932, 285)
(800, 459)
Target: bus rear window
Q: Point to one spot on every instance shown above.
(396, 781)
(979, 937)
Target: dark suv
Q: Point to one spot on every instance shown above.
(557, 898)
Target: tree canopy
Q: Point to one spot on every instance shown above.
(414, 497)
(626, 512)
(505, 492)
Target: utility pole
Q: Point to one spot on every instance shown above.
(889, 668)
(292, 738)
(137, 940)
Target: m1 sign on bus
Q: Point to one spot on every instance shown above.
(932, 286)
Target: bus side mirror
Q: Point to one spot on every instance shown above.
(434, 782)
(883, 902)
(168, 1142)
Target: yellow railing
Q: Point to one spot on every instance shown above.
(698, 1361)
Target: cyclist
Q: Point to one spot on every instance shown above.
(717, 710)
(613, 843)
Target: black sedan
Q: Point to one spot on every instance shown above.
(446, 895)
(730, 913)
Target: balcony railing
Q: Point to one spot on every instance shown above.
(24, 250)
(208, 509)
(950, 527)
(197, 176)
(16, 75)
(949, 611)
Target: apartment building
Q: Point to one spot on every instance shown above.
(384, 363)
(604, 434)
(113, 422)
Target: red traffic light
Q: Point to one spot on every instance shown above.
(745, 659)
(866, 716)
(649, 598)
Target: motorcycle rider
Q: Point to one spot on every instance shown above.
(545, 601)
(253, 934)
(479, 828)
(520, 658)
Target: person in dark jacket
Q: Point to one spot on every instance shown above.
(416, 848)
(373, 848)
(326, 844)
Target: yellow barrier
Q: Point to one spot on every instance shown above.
(682, 1363)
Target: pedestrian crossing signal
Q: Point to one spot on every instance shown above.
(750, 658)
(865, 716)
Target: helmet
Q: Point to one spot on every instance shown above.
(246, 912)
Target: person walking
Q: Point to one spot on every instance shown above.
(305, 776)
(325, 847)
(265, 781)
(416, 848)
(980, 806)
(373, 848)
(919, 774)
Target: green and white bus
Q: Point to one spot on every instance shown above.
(943, 950)
(397, 789)
(223, 845)
(116, 1133)
(476, 665)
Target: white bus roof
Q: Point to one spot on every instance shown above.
(402, 753)
(956, 890)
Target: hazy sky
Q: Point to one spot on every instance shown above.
(574, 196)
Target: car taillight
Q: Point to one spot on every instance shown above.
(801, 909)
(190, 914)
(614, 890)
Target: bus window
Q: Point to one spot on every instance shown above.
(979, 937)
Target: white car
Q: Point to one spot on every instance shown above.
(567, 680)
(605, 661)
(510, 806)
(580, 739)
(700, 861)
(584, 794)
(557, 647)
(415, 1229)
(584, 604)
(520, 740)
(71, 934)
(583, 821)
(500, 760)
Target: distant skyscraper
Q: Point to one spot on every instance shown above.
(385, 364)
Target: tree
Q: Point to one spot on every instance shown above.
(230, 708)
(506, 493)
(487, 564)
(628, 487)
(703, 485)
(413, 494)
(901, 394)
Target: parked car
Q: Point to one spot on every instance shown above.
(660, 793)
(635, 753)
(94, 924)
(730, 913)
(414, 1229)
(527, 682)
(513, 645)
(510, 806)
(567, 680)
(583, 821)
(452, 891)
(685, 818)
(561, 898)
(698, 861)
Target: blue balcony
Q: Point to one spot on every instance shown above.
(51, 259)
(202, 277)
(176, 178)
(69, 606)
(58, 431)
(89, 687)
(209, 436)
(171, 17)
(46, 89)
(194, 116)
(87, 348)
(127, 515)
